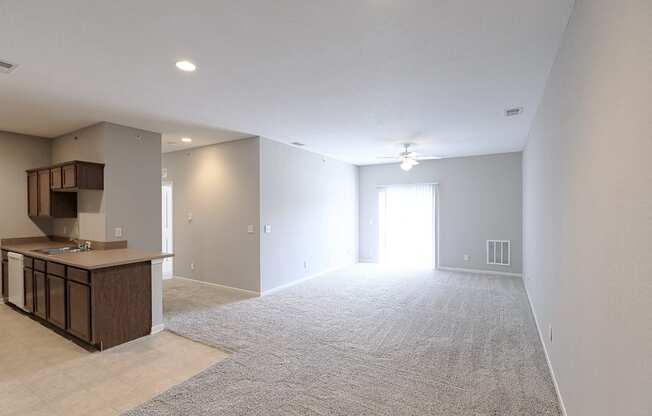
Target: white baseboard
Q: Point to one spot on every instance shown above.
(478, 271)
(157, 328)
(237, 289)
(545, 352)
(303, 279)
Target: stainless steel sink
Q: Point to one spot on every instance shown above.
(62, 250)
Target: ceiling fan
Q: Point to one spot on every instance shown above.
(409, 159)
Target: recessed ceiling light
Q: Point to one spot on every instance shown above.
(186, 139)
(186, 66)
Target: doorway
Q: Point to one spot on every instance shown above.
(168, 241)
(407, 225)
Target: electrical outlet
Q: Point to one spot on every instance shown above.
(550, 333)
(118, 232)
(268, 229)
(192, 266)
(250, 229)
(65, 230)
(466, 257)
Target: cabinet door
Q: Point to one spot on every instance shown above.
(79, 310)
(69, 174)
(55, 178)
(5, 279)
(56, 288)
(32, 194)
(44, 193)
(29, 289)
(40, 295)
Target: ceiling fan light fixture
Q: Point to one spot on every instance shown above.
(408, 164)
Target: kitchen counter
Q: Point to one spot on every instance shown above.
(101, 298)
(89, 260)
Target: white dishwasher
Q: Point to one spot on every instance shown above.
(16, 280)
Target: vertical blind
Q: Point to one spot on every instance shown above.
(407, 225)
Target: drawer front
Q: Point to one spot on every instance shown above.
(28, 262)
(79, 275)
(39, 265)
(56, 269)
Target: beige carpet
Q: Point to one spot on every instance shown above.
(366, 341)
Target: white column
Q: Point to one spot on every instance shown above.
(157, 296)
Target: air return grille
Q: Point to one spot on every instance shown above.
(499, 252)
(6, 67)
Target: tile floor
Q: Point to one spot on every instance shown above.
(42, 373)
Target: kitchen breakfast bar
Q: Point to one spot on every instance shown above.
(100, 298)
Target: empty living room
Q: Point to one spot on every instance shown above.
(326, 208)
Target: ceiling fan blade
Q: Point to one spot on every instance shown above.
(430, 157)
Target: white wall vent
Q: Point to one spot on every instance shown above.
(511, 112)
(499, 252)
(7, 67)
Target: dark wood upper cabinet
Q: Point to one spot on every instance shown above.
(69, 173)
(32, 194)
(82, 175)
(52, 191)
(55, 178)
(44, 193)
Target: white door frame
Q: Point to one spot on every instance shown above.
(168, 263)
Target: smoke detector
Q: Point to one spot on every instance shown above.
(511, 112)
(7, 67)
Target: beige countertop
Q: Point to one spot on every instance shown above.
(90, 260)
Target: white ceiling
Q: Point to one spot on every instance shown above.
(351, 79)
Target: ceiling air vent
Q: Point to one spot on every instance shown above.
(7, 67)
(511, 112)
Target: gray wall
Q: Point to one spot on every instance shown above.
(480, 198)
(17, 154)
(219, 185)
(131, 198)
(588, 210)
(311, 202)
(133, 186)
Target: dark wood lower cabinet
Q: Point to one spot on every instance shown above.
(40, 295)
(56, 290)
(29, 289)
(102, 307)
(5, 279)
(79, 310)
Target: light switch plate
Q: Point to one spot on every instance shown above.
(118, 232)
(268, 229)
(250, 229)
